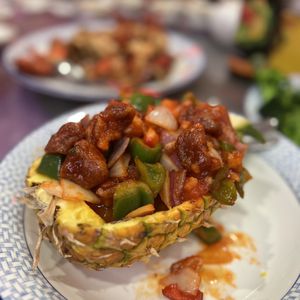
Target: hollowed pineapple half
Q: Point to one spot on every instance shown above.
(82, 236)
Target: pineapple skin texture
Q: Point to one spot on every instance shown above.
(81, 236)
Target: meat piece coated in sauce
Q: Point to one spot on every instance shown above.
(214, 119)
(192, 151)
(85, 165)
(110, 124)
(63, 140)
(173, 292)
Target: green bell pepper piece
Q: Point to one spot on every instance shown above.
(208, 235)
(225, 192)
(141, 102)
(143, 152)
(253, 132)
(227, 147)
(130, 195)
(244, 177)
(153, 175)
(50, 165)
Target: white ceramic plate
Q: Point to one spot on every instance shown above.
(189, 64)
(269, 214)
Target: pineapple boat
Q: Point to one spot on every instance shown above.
(122, 185)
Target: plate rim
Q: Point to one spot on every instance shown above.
(269, 157)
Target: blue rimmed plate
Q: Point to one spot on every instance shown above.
(269, 214)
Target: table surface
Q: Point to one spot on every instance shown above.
(22, 110)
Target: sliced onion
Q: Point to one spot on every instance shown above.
(175, 160)
(74, 192)
(53, 188)
(177, 179)
(168, 163)
(120, 168)
(167, 137)
(118, 150)
(68, 190)
(214, 153)
(162, 117)
(141, 211)
(165, 192)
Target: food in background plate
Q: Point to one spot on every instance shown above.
(129, 54)
(257, 25)
(280, 100)
(120, 186)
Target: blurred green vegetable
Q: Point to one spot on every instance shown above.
(251, 131)
(223, 189)
(208, 235)
(281, 101)
(245, 176)
(141, 101)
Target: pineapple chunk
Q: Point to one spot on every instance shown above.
(238, 121)
(33, 177)
(72, 215)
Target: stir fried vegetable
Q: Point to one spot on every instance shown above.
(143, 152)
(253, 132)
(223, 189)
(152, 174)
(129, 196)
(50, 165)
(244, 177)
(140, 152)
(209, 235)
(141, 102)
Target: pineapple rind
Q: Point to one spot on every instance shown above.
(110, 250)
(84, 237)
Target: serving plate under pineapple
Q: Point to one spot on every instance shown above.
(269, 214)
(189, 63)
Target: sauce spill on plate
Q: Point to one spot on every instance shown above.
(217, 279)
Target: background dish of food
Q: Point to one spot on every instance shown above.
(189, 63)
(128, 54)
(278, 97)
(269, 199)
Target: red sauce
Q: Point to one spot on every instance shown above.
(222, 252)
(103, 211)
(216, 279)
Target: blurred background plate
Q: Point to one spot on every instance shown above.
(253, 101)
(189, 63)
